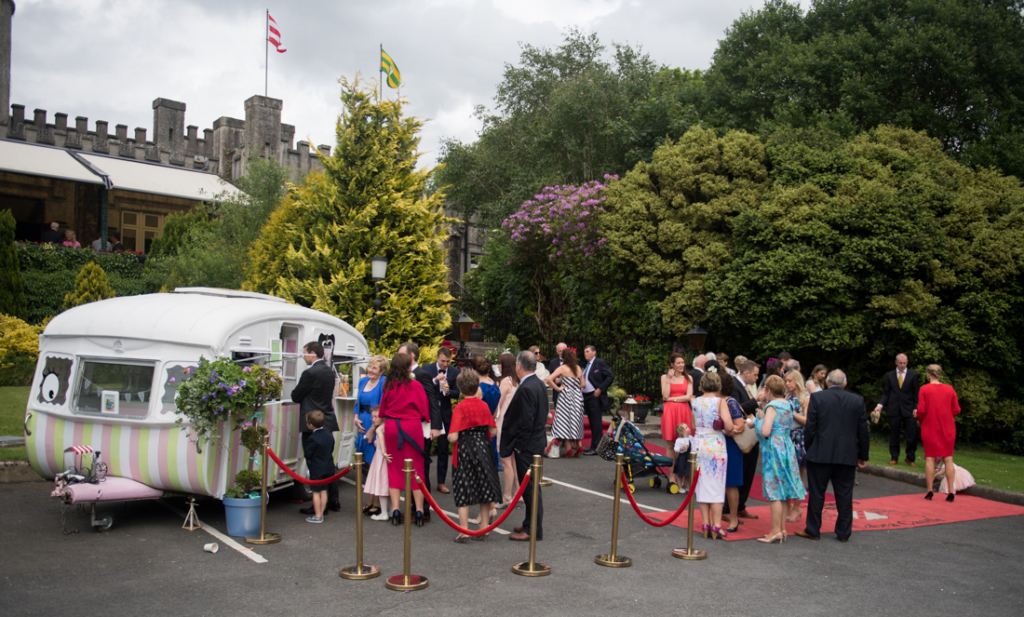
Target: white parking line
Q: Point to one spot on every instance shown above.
(588, 491)
(452, 515)
(248, 552)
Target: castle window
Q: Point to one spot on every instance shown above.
(139, 229)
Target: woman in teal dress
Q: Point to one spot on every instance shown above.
(779, 470)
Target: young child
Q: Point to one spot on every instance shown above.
(319, 450)
(682, 446)
(376, 486)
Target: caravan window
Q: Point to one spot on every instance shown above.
(175, 373)
(115, 388)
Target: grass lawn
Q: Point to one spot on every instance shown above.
(989, 468)
(12, 419)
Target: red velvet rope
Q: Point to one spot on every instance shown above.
(299, 478)
(475, 532)
(674, 516)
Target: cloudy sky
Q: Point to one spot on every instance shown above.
(108, 59)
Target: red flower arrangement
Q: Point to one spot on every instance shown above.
(640, 398)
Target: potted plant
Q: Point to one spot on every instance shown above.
(643, 407)
(218, 395)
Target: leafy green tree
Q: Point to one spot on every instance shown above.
(12, 286)
(90, 285)
(953, 68)
(370, 201)
(672, 218)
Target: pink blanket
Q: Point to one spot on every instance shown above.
(111, 489)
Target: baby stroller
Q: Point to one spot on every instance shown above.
(623, 436)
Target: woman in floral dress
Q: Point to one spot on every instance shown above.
(778, 458)
(711, 453)
(797, 396)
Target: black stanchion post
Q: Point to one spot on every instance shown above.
(359, 571)
(689, 552)
(532, 568)
(265, 536)
(407, 581)
(613, 560)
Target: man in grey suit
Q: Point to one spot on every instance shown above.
(315, 391)
(836, 438)
(522, 436)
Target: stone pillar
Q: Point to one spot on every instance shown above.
(61, 120)
(82, 124)
(208, 143)
(140, 136)
(6, 15)
(263, 126)
(169, 126)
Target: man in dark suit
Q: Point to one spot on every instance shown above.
(746, 374)
(836, 438)
(425, 380)
(523, 436)
(899, 397)
(52, 235)
(315, 392)
(442, 380)
(696, 373)
(552, 367)
(599, 377)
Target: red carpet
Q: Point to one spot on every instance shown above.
(897, 512)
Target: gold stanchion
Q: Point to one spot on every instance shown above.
(689, 552)
(406, 581)
(612, 559)
(265, 536)
(359, 571)
(545, 482)
(532, 568)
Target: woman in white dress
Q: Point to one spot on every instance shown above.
(508, 384)
(711, 453)
(568, 425)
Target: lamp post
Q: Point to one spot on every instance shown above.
(696, 337)
(463, 325)
(378, 270)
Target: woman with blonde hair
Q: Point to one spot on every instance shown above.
(797, 396)
(937, 405)
(710, 410)
(371, 388)
(779, 472)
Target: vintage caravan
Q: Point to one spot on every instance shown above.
(138, 347)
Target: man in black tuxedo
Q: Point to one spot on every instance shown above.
(899, 397)
(523, 436)
(52, 235)
(836, 438)
(599, 377)
(696, 373)
(442, 380)
(423, 377)
(315, 391)
(552, 367)
(746, 374)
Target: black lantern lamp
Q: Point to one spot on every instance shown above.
(696, 337)
(463, 325)
(378, 270)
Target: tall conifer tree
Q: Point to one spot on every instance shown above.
(369, 201)
(12, 286)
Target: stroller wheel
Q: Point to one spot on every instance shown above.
(632, 488)
(673, 488)
(655, 482)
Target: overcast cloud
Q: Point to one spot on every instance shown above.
(108, 59)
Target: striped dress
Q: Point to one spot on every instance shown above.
(569, 411)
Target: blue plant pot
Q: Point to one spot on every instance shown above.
(243, 516)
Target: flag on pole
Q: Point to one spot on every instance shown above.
(274, 35)
(388, 66)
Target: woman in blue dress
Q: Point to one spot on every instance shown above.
(734, 462)
(778, 458)
(371, 387)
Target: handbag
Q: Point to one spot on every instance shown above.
(746, 440)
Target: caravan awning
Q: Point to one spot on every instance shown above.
(48, 162)
(156, 179)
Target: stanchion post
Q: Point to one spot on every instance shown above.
(407, 581)
(689, 552)
(359, 571)
(265, 537)
(613, 559)
(532, 568)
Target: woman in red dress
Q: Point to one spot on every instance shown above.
(404, 408)
(677, 392)
(936, 406)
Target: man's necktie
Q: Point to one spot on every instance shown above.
(900, 378)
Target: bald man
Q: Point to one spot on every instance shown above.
(899, 398)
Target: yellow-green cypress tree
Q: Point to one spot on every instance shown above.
(12, 287)
(369, 201)
(90, 285)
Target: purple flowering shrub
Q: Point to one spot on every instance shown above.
(559, 224)
(221, 391)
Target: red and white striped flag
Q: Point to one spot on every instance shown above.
(274, 35)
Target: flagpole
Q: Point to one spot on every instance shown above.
(266, 52)
(380, 65)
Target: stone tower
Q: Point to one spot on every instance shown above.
(6, 14)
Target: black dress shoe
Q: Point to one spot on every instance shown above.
(590, 452)
(334, 507)
(843, 539)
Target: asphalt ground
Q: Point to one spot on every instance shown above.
(147, 564)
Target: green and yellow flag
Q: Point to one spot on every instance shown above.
(388, 66)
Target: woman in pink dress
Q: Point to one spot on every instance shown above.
(404, 410)
(936, 406)
(677, 392)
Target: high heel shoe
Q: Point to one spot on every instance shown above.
(950, 496)
(781, 537)
(706, 529)
(419, 518)
(396, 518)
(579, 451)
(722, 533)
(929, 496)
(461, 538)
